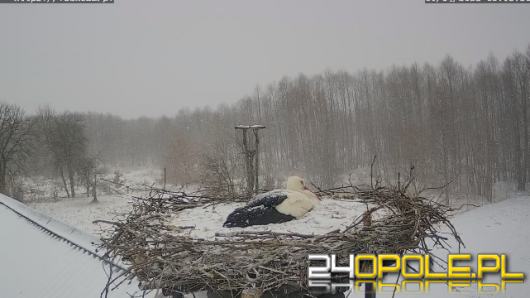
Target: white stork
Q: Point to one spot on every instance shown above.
(275, 206)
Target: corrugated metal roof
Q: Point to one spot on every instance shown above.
(42, 257)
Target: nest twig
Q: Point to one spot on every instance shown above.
(163, 259)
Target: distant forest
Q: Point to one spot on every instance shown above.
(467, 125)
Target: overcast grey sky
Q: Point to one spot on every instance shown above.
(151, 58)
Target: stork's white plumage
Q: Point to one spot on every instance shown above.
(275, 206)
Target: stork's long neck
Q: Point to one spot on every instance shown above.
(309, 194)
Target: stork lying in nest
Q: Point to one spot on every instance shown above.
(275, 206)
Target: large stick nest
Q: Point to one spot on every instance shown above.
(161, 258)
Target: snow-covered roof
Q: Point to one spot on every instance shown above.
(42, 257)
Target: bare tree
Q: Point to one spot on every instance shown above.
(86, 169)
(14, 142)
(67, 143)
(216, 174)
(516, 79)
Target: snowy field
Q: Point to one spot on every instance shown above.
(502, 227)
(80, 212)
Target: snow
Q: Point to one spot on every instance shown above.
(80, 212)
(35, 264)
(59, 228)
(502, 227)
(329, 215)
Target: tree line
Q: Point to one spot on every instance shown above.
(462, 126)
(466, 126)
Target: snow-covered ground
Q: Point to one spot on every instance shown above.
(81, 212)
(502, 227)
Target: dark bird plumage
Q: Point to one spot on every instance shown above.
(259, 211)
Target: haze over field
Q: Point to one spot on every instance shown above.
(175, 54)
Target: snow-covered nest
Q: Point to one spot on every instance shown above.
(175, 241)
(207, 222)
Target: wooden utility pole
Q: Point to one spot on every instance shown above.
(165, 178)
(256, 160)
(251, 154)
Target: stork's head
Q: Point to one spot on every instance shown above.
(298, 184)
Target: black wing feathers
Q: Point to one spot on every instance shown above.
(268, 199)
(259, 211)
